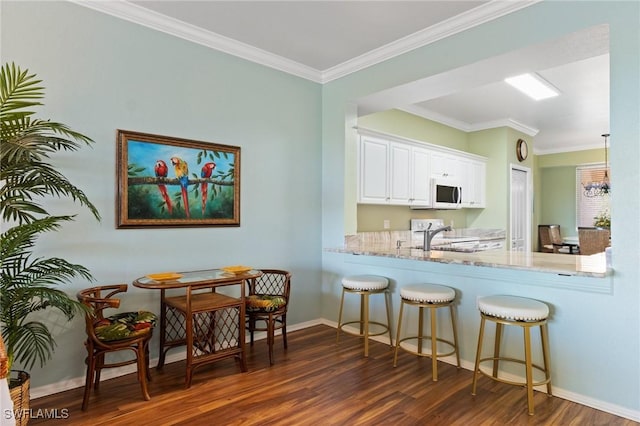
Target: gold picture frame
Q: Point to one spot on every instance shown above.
(173, 182)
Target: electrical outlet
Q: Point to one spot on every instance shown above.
(386, 224)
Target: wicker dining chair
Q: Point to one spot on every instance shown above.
(119, 332)
(593, 240)
(550, 240)
(266, 305)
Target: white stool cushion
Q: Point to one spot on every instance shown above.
(365, 282)
(513, 308)
(428, 293)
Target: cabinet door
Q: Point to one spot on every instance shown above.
(420, 177)
(480, 178)
(445, 165)
(400, 182)
(374, 171)
(474, 184)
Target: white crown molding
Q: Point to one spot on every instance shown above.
(565, 149)
(505, 122)
(464, 21)
(469, 127)
(437, 117)
(139, 15)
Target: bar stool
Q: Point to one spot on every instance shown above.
(365, 285)
(521, 312)
(432, 297)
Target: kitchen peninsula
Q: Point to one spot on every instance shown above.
(404, 249)
(563, 264)
(573, 286)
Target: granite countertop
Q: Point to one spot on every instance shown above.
(563, 264)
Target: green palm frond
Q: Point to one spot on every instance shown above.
(29, 284)
(27, 180)
(18, 90)
(21, 238)
(37, 138)
(26, 143)
(32, 342)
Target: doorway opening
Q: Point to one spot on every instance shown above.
(521, 202)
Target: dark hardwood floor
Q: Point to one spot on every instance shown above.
(316, 382)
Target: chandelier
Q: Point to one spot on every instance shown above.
(602, 187)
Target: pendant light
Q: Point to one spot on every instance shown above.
(602, 187)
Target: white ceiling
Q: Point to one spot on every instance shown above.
(324, 40)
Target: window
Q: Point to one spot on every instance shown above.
(588, 207)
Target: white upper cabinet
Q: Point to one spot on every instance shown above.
(400, 181)
(421, 183)
(394, 172)
(474, 184)
(373, 171)
(445, 165)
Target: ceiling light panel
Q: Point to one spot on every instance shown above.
(533, 86)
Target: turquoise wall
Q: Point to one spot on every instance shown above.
(102, 74)
(298, 196)
(580, 338)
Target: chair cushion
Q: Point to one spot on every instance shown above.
(427, 293)
(513, 308)
(365, 282)
(264, 302)
(125, 325)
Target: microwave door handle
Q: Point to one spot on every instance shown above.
(459, 198)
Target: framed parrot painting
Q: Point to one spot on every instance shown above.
(166, 182)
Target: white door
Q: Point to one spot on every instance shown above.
(520, 209)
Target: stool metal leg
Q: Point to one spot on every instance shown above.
(478, 352)
(455, 333)
(363, 316)
(544, 337)
(529, 368)
(387, 297)
(340, 317)
(496, 349)
(434, 345)
(420, 328)
(365, 306)
(395, 355)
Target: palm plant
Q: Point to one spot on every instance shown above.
(29, 284)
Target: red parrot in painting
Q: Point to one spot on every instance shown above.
(207, 171)
(182, 173)
(161, 170)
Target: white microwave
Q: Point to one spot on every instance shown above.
(446, 194)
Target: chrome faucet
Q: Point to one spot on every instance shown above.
(429, 234)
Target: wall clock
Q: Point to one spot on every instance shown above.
(522, 150)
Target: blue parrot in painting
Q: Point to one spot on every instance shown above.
(206, 172)
(182, 173)
(162, 170)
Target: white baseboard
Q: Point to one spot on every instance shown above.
(77, 382)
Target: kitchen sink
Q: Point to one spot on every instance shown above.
(466, 247)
